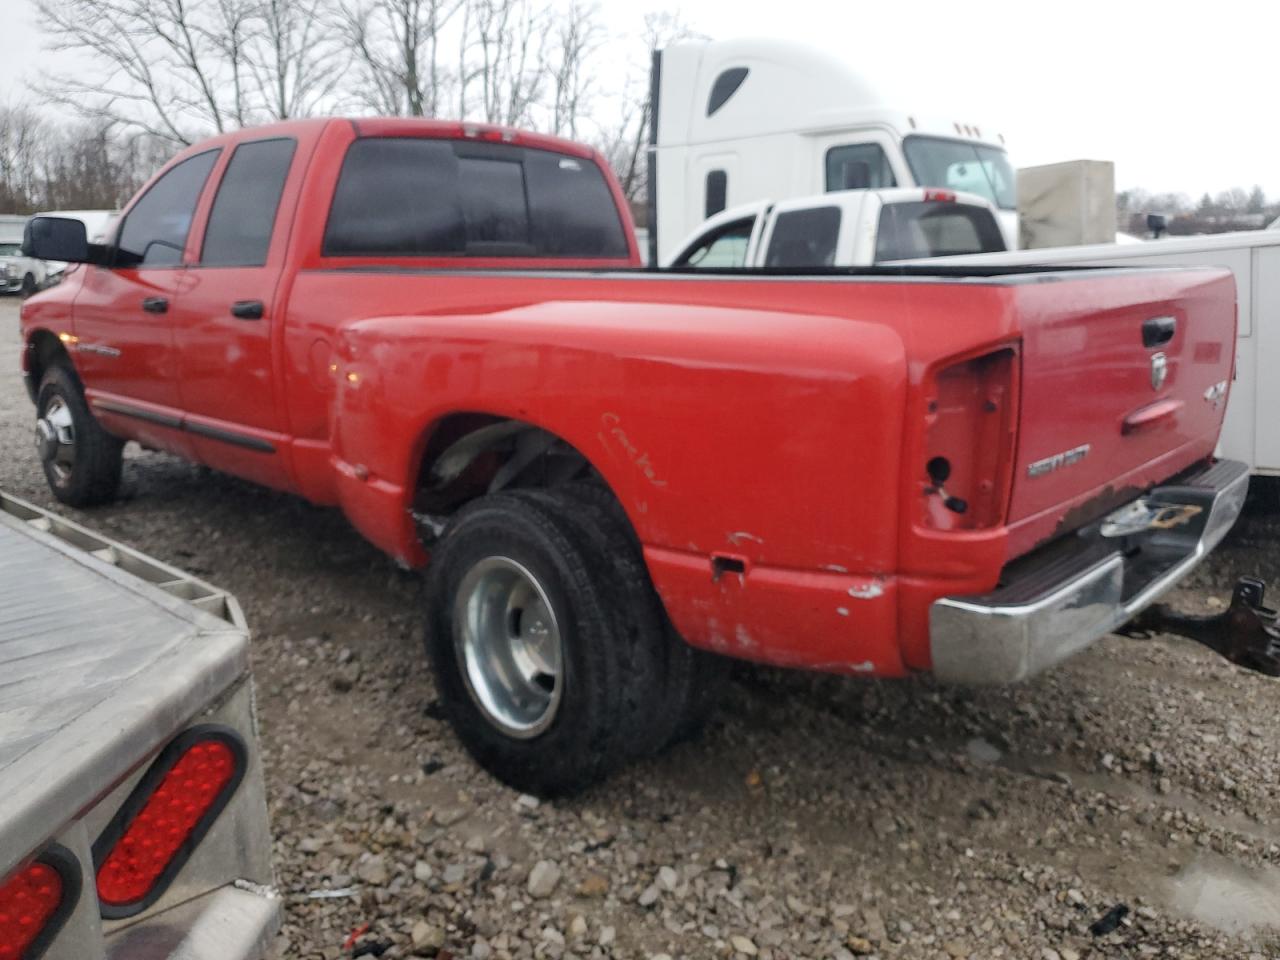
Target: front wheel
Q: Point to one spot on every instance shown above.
(28, 285)
(532, 672)
(81, 461)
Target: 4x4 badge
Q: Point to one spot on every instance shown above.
(1159, 370)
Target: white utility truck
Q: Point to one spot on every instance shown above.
(847, 228)
(745, 120)
(1251, 432)
(133, 816)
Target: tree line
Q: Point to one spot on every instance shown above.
(159, 75)
(1224, 212)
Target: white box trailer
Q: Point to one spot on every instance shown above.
(1066, 204)
(133, 818)
(1251, 432)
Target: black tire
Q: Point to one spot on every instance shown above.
(92, 477)
(585, 735)
(684, 683)
(28, 285)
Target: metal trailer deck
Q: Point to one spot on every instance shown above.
(105, 654)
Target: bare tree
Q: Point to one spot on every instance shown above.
(180, 69)
(625, 142)
(576, 38)
(508, 38)
(396, 48)
(296, 60)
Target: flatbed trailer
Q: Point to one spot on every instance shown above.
(133, 818)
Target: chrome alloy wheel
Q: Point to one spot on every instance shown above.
(509, 646)
(56, 438)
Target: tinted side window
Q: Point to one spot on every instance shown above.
(859, 166)
(716, 194)
(805, 238)
(244, 211)
(931, 229)
(420, 197)
(727, 247)
(155, 231)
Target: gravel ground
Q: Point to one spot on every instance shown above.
(817, 817)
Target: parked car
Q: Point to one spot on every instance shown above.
(443, 329)
(133, 813)
(19, 274)
(847, 228)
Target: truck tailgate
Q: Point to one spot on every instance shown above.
(1124, 379)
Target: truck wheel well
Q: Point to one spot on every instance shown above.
(45, 351)
(470, 455)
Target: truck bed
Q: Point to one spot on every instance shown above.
(85, 646)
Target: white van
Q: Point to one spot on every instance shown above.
(745, 120)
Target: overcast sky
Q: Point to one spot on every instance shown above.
(1178, 94)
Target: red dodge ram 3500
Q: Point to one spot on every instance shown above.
(439, 327)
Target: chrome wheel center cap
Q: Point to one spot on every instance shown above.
(46, 439)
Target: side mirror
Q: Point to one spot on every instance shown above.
(57, 238)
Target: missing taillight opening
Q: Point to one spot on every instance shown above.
(165, 818)
(34, 903)
(969, 428)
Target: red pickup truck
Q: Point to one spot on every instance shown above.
(441, 329)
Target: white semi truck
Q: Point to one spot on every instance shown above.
(745, 120)
(133, 817)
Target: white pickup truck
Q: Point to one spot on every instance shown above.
(845, 228)
(133, 816)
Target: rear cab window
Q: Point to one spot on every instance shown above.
(422, 197)
(935, 229)
(804, 238)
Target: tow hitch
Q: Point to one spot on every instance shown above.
(1246, 633)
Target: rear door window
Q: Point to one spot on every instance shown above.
(423, 197)
(725, 248)
(244, 211)
(155, 231)
(804, 238)
(933, 229)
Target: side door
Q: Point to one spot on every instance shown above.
(124, 344)
(227, 321)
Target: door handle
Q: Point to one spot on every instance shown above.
(1158, 331)
(155, 305)
(247, 309)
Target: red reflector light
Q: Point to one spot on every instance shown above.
(943, 196)
(166, 816)
(28, 901)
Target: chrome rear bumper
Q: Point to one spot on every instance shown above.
(1057, 602)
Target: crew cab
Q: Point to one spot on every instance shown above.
(845, 228)
(443, 329)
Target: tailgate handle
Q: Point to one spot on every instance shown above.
(1158, 331)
